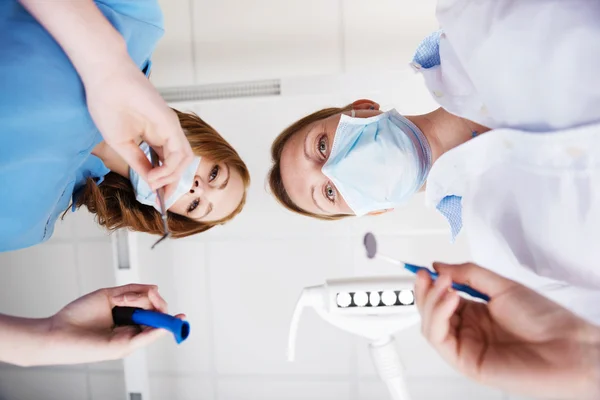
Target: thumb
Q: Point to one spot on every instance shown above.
(135, 158)
(147, 337)
(476, 277)
(150, 335)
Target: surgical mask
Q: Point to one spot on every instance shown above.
(145, 195)
(379, 162)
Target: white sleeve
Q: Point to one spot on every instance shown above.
(534, 63)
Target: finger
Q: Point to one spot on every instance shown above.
(147, 337)
(157, 301)
(439, 289)
(440, 318)
(176, 153)
(169, 165)
(435, 295)
(134, 157)
(170, 182)
(422, 287)
(130, 288)
(139, 300)
(179, 164)
(478, 278)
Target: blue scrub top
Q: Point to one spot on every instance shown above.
(46, 132)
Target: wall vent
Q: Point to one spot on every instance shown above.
(219, 91)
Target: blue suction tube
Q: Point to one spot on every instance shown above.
(138, 316)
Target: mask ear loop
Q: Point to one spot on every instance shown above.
(353, 114)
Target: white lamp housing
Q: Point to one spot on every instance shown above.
(371, 307)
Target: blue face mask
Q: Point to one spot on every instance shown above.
(379, 162)
(147, 196)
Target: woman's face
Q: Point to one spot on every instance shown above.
(302, 158)
(216, 192)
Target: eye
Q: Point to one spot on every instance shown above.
(213, 173)
(330, 192)
(322, 145)
(194, 205)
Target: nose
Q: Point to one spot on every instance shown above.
(197, 187)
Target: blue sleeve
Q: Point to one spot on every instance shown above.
(147, 11)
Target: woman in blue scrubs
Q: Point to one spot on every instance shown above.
(75, 105)
(54, 100)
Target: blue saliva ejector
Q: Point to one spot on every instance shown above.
(138, 316)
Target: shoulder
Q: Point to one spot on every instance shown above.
(147, 11)
(140, 22)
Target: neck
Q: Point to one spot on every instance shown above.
(445, 131)
(111, 159)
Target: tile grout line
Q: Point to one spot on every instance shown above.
(193, 42)
(354, 383)
(210, 322)
(342, 36)
(76, 249)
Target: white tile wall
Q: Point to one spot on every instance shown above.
(254, 285)
(38, 282)
(431, 389)
(170, 387)
(434, 389)
(42, 383)
(85, 228)
(179, 269)
(106, 385)
(173, 60)
(232, 389)
(385, 33)
(237, 40)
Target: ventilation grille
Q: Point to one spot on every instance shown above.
(221, 91)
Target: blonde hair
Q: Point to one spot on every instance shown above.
(274, 176)
(114, 205)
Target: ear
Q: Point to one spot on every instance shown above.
(379, 212)
(365, 104)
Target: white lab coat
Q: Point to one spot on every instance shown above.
(530, 195)
(529, 64)
(531, 209)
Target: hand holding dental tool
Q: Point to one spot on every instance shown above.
(520, 342)
(463, 290)
(123, 103)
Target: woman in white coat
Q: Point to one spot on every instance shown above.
(527, 191)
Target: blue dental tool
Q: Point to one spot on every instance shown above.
(138, 316)
(371, 247)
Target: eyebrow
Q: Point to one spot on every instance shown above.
(312, 194)
(306, 155)
(224, 184)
